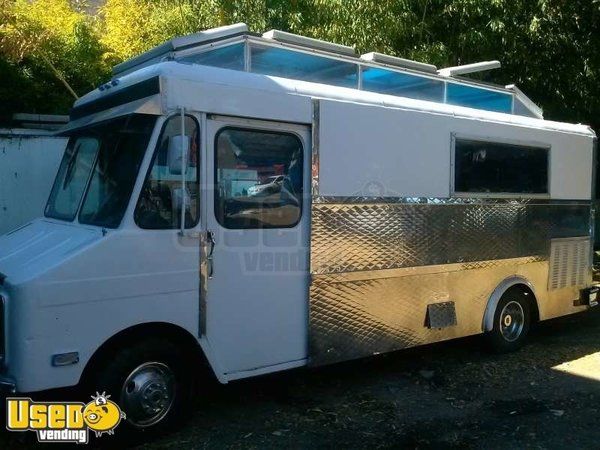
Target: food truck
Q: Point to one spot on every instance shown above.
(267, 202)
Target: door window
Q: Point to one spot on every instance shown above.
(159, 205)
(258, 179)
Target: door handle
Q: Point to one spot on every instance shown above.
(210, 238)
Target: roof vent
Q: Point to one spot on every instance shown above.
(398, 62)
(209, 35)
(317, 44)
(469, 68)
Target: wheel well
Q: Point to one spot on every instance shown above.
(167, 331)
(526, 291)
(515, 284)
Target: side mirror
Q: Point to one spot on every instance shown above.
(178, 149)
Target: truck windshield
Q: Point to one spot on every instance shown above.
(100, 164)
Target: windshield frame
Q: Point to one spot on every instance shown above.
(90, 131)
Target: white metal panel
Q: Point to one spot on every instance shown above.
(310, 43)
(571, 166)
(28, 165)
(369, 150)
(469, 68)
(263, 102)
(74, 288)
(89, 285)
(399, 62)
(257, 311)
(373, 151)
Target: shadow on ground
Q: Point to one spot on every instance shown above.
(449, 395)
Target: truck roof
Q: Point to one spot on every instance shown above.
(286, 55)
(298, 57)
(171, 80)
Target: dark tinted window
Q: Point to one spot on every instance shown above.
(258, 179)
(159, 205)
(489, 167)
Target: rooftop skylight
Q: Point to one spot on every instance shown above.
(295, 57)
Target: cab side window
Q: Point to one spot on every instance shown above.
(161, 199)
(258, 179)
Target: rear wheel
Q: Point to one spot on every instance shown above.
(150, 382)
(511, 322)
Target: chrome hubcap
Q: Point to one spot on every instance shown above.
(512, 321)
(148, 394)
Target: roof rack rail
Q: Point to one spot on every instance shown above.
(398, 62)
(317, 44)
(469, 68)
(180, 43)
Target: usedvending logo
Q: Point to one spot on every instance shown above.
(66, 422)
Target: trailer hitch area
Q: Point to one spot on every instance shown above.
(590, 296)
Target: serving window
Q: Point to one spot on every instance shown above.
(482, 167)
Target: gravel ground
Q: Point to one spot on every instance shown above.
(449, 395)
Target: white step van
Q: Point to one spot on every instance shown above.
(268, 202)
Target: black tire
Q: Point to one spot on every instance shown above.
(149, 359)
(507, 336)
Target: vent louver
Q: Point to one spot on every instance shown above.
(569, 262)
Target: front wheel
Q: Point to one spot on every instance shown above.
(149, 381)
(511, 322)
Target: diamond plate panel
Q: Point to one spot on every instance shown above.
(358, 318)
(377, 265)
(348, 237)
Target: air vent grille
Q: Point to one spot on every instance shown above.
(569, 262)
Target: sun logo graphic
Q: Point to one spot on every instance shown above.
(65, 422)
(102, 415)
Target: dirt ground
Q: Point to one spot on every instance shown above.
(450, 395)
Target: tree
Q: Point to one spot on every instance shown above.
(51, 52)
(550, 48)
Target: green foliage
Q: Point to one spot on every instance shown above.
(45, 46)
(550, 48)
